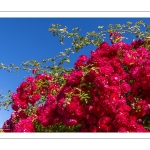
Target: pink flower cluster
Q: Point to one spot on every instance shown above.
(108, 92)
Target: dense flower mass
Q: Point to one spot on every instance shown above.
(108, 92)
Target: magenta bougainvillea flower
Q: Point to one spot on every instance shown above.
(108, 92)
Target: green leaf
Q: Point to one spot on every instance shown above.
(100, 27)
(75, 29)
(51, 59)
(64, 60)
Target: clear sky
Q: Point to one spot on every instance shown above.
(23, 39)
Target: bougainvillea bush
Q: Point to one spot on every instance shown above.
(107, 92)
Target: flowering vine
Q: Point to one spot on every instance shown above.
(108, 92)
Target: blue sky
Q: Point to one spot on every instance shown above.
(23, 39)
